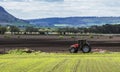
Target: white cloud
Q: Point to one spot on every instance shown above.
(31, 0)
(42, 9)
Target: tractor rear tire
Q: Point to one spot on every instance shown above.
(73, 50)
(86, 49)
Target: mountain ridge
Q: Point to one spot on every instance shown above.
(8, 19)
(75, 21)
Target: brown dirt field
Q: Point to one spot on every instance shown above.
(55, 43)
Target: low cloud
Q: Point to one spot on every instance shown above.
(61, 8)
(31, 0)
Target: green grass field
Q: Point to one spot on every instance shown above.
(51, 62)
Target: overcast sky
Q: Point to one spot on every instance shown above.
(30, 9)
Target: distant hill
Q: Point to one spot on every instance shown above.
(8, 19)
(74, 21)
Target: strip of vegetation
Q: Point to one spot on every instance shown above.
(104, 29)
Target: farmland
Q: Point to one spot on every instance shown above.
(56, 43)
(60, 62)
(54, 56)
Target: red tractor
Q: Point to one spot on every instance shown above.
(82, 45)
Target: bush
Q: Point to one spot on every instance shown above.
(72, 36)
(61, 37)
(20, 51)
(91, 36)
(16, 51)
(7, 36)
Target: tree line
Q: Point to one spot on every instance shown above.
(104, 29)
(110, 29)
(13, 29)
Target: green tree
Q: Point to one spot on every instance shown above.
(3, 30)
(31, 29)
(14, 29)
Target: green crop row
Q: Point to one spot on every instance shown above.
(52, 62)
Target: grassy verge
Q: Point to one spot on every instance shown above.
(52, 62)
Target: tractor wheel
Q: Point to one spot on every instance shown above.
(73, 50)
(86, 49)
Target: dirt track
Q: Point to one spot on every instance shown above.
(55, 44)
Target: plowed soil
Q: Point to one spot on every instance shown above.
(55, 43)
